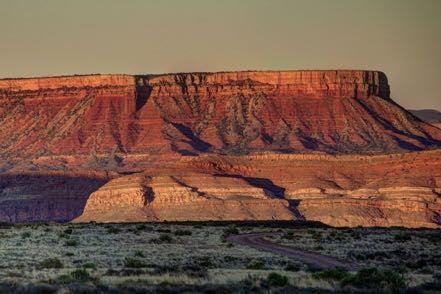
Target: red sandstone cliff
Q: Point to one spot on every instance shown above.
(155, 126)
(105, 120)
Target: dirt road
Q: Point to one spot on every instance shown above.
(312, 259)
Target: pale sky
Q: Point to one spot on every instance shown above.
(55, 37)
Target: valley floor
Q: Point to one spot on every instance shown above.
(198, 257)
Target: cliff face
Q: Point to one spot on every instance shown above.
(216, 146)
(350, 190)
(183, 197)
(112, 121)
(383, 190)
(46, 196)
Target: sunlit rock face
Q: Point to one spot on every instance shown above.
(107, 121)
(216, 146)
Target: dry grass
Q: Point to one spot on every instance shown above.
(160, 254)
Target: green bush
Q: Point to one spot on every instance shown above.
(133, 263)
(182, 233)
(165, 238)
(113, 230)
(89, 265)
(402, 237)
(276, 280)
(80, 274)
(141, 227)
(256, 265)
(336, 274)
(51, 262)
(71, 243)
(26, 235)
(139, 253)
(288, 235)
(231, 230)
(374, 278)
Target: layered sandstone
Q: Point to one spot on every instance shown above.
(383, 190)
(109, 121)
(216, 146)
(185, 197)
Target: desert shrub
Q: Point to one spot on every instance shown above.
(292, 267)
(182, 233)
(335, 235)
(26, 235)
(434, 237)
(204, 261)
(141, 227)
(68, 231)
(417, 264)
(165, 238)
(231, 230)
(276, 280)
(256, 265)
(63, 279)
(36, 226)
(133, 263)
(6, 225)
(374, 278)
(80, 274)
(64, 236)
(91, 265)
(51, 262)
(70, 254)
(356, 235)
(336, 274)
(139, 253)
(113, 230)
(317, 235)
(402, 237)
(71, 243)
(288, 235)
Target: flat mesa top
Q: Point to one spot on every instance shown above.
(269, 77)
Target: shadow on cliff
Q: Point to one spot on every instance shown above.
(52, 197)
(271, 190)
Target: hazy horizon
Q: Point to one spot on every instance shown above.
(400, 38)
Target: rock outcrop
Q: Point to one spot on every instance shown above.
(184, 197)
(382, 190)
(330, 146)
(111, 121)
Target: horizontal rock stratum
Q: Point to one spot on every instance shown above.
(216, 146)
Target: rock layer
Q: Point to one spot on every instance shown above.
(382, 190)
(216, 146)
(183, 198)
(110, 121)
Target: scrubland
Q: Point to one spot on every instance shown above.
(196, 257)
